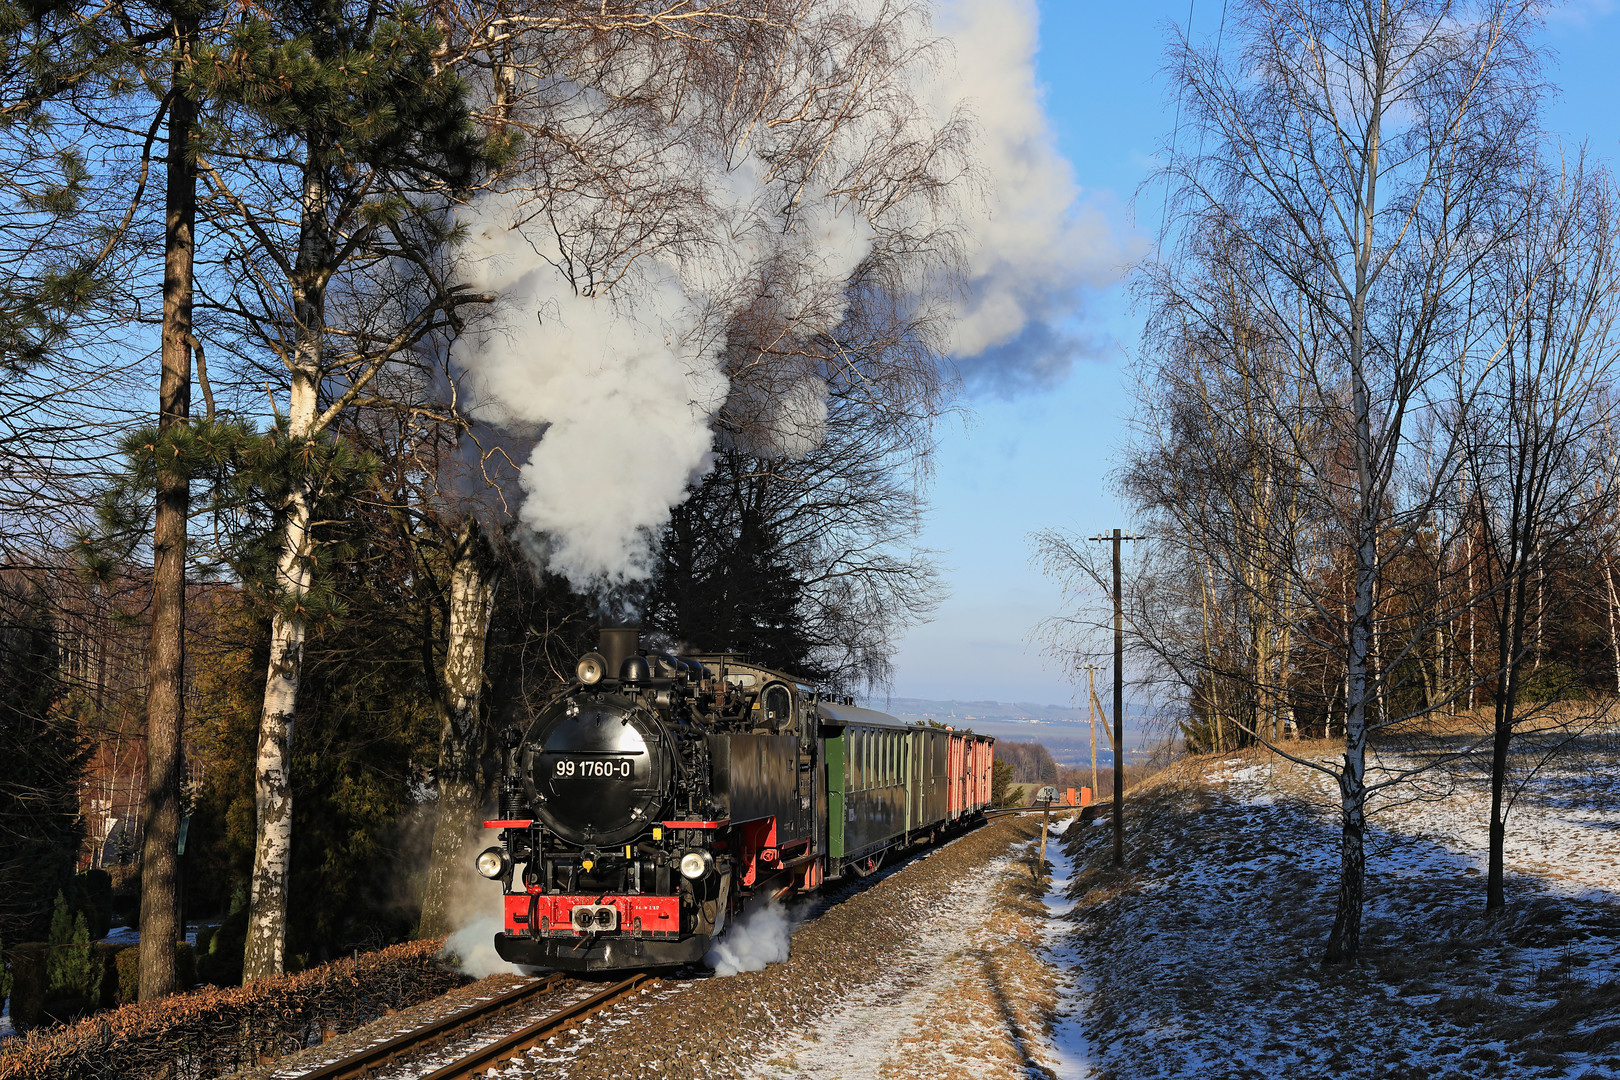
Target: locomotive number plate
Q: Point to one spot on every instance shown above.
(609, 769)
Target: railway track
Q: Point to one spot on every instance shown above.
(538, 1032)
(413, 1044)
(1016, 811)
(462, 1025)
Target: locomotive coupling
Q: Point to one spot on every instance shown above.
(596, 917)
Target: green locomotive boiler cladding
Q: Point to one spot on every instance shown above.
(646, 803)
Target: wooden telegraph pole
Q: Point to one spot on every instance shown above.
(1091, 713)
(1119, 697)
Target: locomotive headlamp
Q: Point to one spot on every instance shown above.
(592, 666)
(694, 864)
(491, 862)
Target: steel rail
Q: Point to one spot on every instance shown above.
(535, 1033)
(418, 1039)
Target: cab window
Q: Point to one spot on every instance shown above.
(778, 707)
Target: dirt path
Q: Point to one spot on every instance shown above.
(963, 998)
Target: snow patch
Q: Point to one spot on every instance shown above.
(1226, 915)
(1072, 1054)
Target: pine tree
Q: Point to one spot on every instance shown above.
(165, 701)
(724, 581)
(343, 121)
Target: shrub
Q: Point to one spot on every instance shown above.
(73, 980)
(128, 964)
(28, 985)
(220, 961)
(5, 975)
(129, 971)
(105, 955)
(1551, 682)
(1001, 777)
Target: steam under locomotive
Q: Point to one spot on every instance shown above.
(646, 802)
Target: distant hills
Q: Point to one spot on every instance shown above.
(1063, 730)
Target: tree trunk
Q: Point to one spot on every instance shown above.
(1344, 941)
(1469, 674)
(272, 857)
(1510, 658)
(165, 694)
(1541, 615)
(1495, 886)
(1614, 638)
(472, 600)
(1376, 672)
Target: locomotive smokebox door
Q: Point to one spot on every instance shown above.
(597, 777)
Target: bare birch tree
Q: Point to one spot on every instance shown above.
(1536, 440)
(1355, 160)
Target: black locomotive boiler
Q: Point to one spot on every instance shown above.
(652, 797)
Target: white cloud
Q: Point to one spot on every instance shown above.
(1036, 244)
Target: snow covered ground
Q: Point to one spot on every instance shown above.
(1203, 958)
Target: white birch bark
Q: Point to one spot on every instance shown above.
(1344, 941)
(1614, 638)
(265, 953)
(272, 858)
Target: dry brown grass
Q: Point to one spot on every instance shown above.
(1532, 718)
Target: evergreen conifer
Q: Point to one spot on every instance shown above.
(45, 755)
(71, 974)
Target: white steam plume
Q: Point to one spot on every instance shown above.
(473, 947)
(759, 938)
(623, 405)
(476, 913)
(622, 384)
(625, 385)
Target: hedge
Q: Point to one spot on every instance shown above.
(213, 1032)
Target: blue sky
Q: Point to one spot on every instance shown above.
(1041, 461)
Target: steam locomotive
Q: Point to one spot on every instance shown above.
(656, 794)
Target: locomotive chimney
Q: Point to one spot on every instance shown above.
(617, 644)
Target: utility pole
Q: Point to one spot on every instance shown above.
(1091, 711)
(1119, 696)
